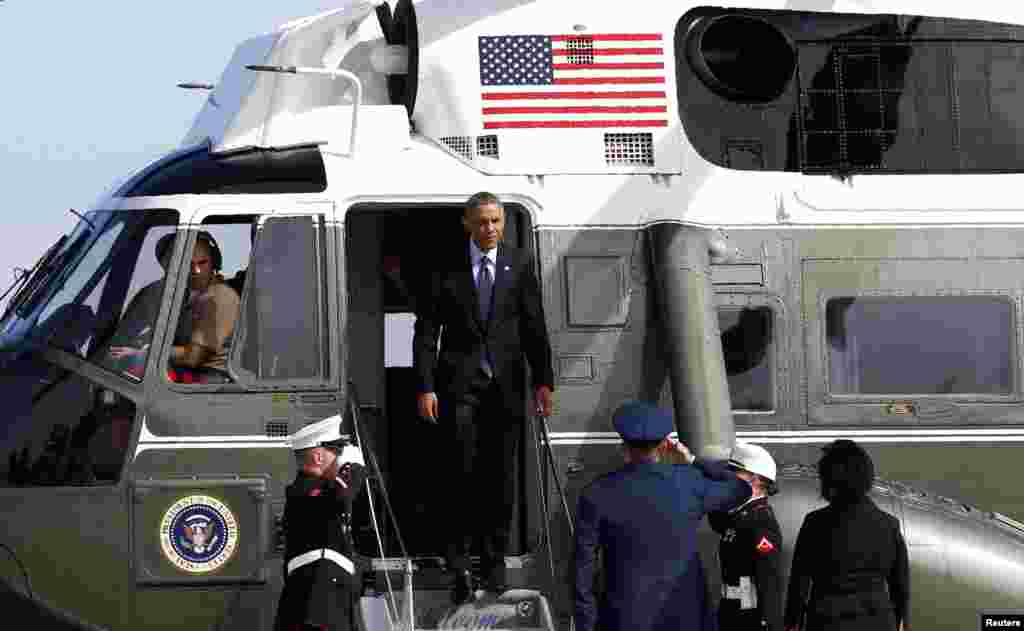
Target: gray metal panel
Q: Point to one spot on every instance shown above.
(737, 274)
(597, 367)
(575, 368)
(596, 288)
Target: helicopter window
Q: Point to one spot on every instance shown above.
(295, 170)
(86, 313)
(85, 275)
(888, 345)
(280, 336)
(60, 429)
(845, 94)
(747, 343)
(126, 348)
(208, 318)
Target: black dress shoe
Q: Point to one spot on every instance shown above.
(463, 590)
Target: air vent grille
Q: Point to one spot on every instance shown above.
(469, 147)
(629, 149)
(580, 49)
(277, 428)
(461, 145)
(487, 146)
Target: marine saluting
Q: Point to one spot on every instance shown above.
(321, 581)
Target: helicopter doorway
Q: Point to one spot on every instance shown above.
(390, 250)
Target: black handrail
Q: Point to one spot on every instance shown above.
(366, 443)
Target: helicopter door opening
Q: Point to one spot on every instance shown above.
(389, 252)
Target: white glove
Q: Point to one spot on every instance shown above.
(351, 455)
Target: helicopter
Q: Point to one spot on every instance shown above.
(787, 226)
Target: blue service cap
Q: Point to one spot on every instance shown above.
(641, 421)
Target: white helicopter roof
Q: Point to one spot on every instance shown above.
(470, 108)
(269, 109)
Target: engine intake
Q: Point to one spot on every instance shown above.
(741, 58)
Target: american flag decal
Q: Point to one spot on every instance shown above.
(560, 81)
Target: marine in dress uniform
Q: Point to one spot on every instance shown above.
(321, 581)
(645, 517)
(750, 548)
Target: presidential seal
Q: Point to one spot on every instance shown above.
(198, 534)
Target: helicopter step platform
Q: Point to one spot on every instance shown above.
(522, 609)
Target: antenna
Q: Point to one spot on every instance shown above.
(191, 85)
(80, 215)
(337, 74)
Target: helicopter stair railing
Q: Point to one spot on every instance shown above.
(543, 443)
(365, 443)
(530, 606)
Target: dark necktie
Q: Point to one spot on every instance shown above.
(484, 289)
(485, 285)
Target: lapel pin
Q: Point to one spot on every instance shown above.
(506, 268)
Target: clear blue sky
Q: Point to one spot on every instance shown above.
(88, 95)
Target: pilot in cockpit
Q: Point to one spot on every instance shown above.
(213, 307)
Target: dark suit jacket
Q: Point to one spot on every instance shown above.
(645, 517)
(516, 328)
(840, 550)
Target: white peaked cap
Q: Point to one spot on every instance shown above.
(754, 459)
(320, 433)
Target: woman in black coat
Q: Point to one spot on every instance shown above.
(850, 570)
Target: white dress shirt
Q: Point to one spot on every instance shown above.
(475, 254)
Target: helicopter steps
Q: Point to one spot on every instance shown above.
(522, 609)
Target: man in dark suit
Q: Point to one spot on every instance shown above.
(645, 517)
(484, 301)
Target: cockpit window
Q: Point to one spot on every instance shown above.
(103, 290)
(79, 283)
(126, 349)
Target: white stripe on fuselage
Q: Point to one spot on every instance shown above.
(825, 436)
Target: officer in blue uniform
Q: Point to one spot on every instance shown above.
(321, 582)
(644, 516)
